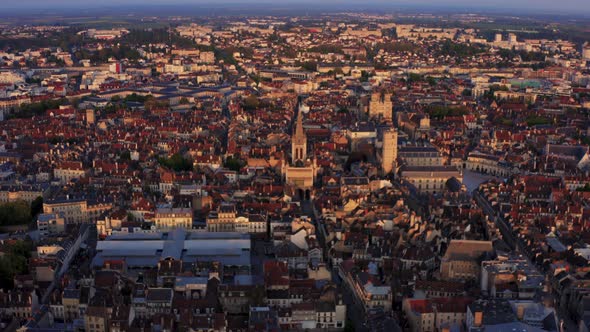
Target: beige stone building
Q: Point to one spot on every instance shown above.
(430, 315)
(96, 319)
(68, 171)
(487, 164)
(430, 179)
(170, 218)
(77, 211)
(302, 172)
(222, 220)
(420, 156)
(369, 292)
(381, 105)
(21, 193)
(389, 151)
(51, 223)
(226, 219)
(71, 304)
(462, 259)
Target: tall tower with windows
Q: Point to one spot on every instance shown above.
(301, 174)
(299, 142)
(381, 105)
(389, 150)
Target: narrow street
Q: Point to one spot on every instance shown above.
(517, 246)
(354, 311)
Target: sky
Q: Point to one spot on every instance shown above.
(547, 6)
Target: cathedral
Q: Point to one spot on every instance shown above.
(301, 172)
(380, 105)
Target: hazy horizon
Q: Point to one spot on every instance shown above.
(576, 7)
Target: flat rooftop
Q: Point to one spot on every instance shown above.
(146, 249)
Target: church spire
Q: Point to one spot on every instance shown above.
(299, 141)
(299, 127)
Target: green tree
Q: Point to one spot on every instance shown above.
(159, 36)
(431, 81)
(125, 155)
(134, 97)
(365, 76)
(397, 47)
(14, 262)
(233, 164)
(439, 111)
(151, 103)
(310, 65)
(450, 48)
(251, 102)
(412, 77)
(39, 108)
(15, 213)
(177, 162)
(349, 326)
(535, 120)
(36, 206)
(326, 48)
